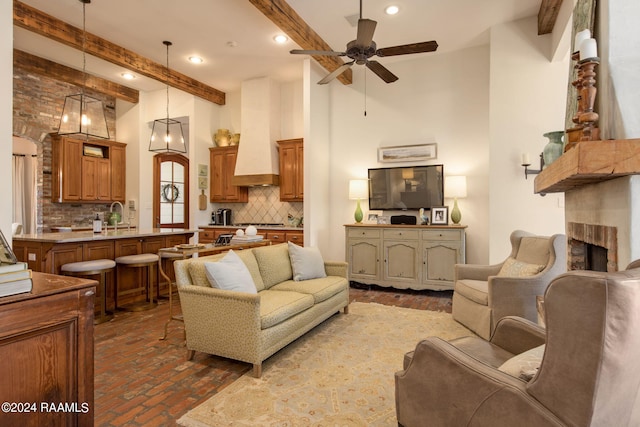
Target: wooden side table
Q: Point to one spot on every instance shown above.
(188, 251)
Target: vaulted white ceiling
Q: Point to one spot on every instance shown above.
(236, 40)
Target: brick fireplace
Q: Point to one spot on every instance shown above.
(592, 247)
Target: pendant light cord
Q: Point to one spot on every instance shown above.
(167, 43)
(84, 43)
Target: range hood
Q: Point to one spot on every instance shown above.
(257, 161)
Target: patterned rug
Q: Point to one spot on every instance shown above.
(338, 374)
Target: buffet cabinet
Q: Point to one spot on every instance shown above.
(404, 256)
(46, 347)
(87, 171)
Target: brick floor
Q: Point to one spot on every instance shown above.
(143, 381)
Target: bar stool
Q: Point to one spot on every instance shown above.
(139, 261)
(93, 268)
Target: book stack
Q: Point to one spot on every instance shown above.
(238, 240)
(15, 278)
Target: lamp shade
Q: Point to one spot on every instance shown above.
(455, 186)
(358, 189)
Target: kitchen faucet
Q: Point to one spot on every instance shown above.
(115, 223)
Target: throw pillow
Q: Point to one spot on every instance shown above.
(230, 274)
(306, 263)
(524, 365)
(514, 268)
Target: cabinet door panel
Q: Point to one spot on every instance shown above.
(118, 173)
(440, 259)
(89, 178)
(401, 261)
(71, 169)
(364, 258)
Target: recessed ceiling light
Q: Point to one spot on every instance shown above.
(281, 38)
(128, 76)
(391, 10)
(196, 59)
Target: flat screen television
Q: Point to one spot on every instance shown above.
(406, 188)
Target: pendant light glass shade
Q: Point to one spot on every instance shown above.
(166, 134)
(82, 114)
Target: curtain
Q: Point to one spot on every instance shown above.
(19, 205)
(25, 192)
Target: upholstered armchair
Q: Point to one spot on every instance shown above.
(587, 373)
(483, 294)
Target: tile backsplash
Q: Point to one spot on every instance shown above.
(264, 206)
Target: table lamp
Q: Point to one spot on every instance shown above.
(358, 189)
(455, 187)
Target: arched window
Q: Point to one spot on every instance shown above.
(171, 191)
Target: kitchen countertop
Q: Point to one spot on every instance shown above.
(259, 227)
(85, 236)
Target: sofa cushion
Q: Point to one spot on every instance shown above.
(474, 290)
(514, 268)
(199, 277)
(524, 365)
(321, 289)
(278, 306)
(306, 263)
(230, 274)
(274, 264)
(534, 250)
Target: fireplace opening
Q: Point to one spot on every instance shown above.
(595, 257)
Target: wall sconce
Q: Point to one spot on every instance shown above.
(526, 162)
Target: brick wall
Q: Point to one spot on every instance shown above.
(37, 106)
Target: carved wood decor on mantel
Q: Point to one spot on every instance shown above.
(288, 20)
(37, 65)
(34, 20)
(547, 15)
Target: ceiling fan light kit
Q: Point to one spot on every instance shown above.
(363, 48)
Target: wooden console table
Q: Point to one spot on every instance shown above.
(46, 348)
(188, 251)
(405, 256)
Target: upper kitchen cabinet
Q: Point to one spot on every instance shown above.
(291, 156)
(223, 164)
(88, 171)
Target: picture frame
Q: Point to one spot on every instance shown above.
(372, 217)
(203, 170)
(6, 254)
(383, 219)
(440, 215)
(92, 151)
(408, 153)
(202, 183)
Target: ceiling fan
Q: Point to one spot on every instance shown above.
(363, 48)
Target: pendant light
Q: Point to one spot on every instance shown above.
(166, 135)
(82, 114)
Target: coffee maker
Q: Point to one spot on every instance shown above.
(221, 217)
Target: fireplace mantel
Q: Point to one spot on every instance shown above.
(590, 162)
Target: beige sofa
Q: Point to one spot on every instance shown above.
(251, 327)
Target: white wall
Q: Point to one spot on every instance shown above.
(6, 108)
(527, 99)
(441, 98)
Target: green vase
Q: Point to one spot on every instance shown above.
(554, 148)
(358, 214)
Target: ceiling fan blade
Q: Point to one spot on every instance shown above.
(341, 69)
(317, 52)
(408, 48)
(366, 28)
(381, 71)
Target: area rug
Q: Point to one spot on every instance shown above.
(341, 373)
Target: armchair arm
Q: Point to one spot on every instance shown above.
(450, 388)
(220, 322)
(517, 335)
(336, 268)
(476, 271)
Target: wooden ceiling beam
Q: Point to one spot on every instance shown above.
(35, 64)
(34, 20)
(547, 15)
(288, 20)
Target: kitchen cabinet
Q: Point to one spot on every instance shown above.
(405, 256)
(291, 156)
(87, 171)
(222, 162)
(46, 348)
(282, 236)
(210, 234)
